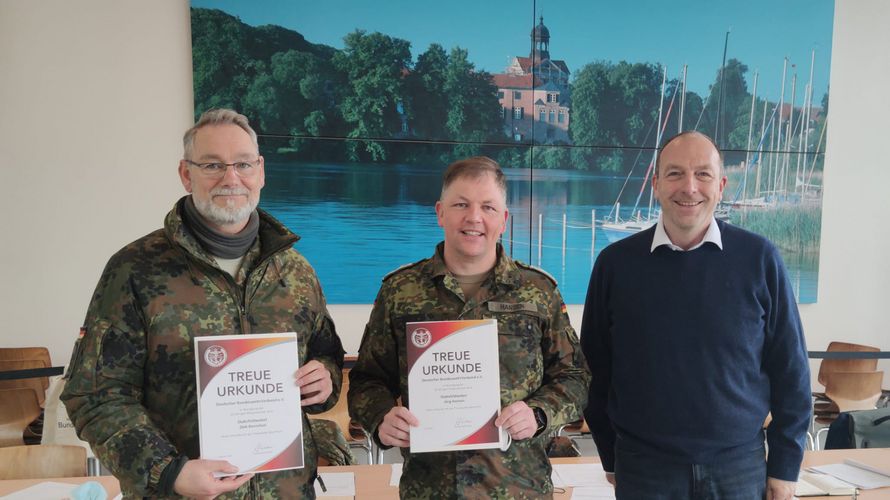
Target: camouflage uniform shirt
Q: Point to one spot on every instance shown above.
(540, 363)
(131, 382)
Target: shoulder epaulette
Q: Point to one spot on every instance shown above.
(536, 269)
(402, 268)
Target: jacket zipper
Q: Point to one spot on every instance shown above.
(241, 300)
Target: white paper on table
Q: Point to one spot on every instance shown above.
(814, 484)
(575, 475)
(338, 484)
(396, 475)
(48, 489)
(885, 471)
(593, 492)
(556, 480)
(854, 475)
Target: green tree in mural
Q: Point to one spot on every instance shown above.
(223, 67)
(474, 113)
(638, 87)
(691, 113)
(295, 96)
(549, 157)
(591, 100)
(373, 65)
(728, 95)
(285, 85)
(426, 102)
(613, 104)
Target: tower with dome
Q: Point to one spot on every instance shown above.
(534, 93)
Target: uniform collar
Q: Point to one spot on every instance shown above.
(661, 237)
(505, 270)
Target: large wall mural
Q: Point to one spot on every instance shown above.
(360, 105)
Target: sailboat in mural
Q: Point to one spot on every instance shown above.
(774, 187)
(616, 228)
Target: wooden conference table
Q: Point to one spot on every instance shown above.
(372, 481)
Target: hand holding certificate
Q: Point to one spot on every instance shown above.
(248, 404)
(454, 385)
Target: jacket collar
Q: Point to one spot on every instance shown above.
(506, 272)
(273, 235)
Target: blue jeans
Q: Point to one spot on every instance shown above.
(641, 476)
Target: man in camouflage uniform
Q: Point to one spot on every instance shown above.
(219, 266)
(542, 372)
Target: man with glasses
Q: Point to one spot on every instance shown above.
(219, 266)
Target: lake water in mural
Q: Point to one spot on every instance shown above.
(358, 222)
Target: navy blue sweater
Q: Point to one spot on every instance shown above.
(689, 351)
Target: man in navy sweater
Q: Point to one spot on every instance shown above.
(692, 336)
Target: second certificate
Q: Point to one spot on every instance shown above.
(454, 385)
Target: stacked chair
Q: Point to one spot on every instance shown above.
(355, 436)
(850, 384)
(21, 400)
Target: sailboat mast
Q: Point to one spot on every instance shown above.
(801, 152)
(748, 146)
(760, 152)
(717, 126)
(786, 164)
(658, 133)
(682, 101)
(809, 105)
(772, 175)
(777, 164)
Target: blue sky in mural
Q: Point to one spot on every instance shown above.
(762, 32)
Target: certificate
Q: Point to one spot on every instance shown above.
(248, 401)
(454, 385)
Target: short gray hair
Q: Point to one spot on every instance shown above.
(216, 116)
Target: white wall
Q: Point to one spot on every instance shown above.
(94, 98)
(854, 276)
(95, 95)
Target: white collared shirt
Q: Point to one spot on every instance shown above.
(661, 237)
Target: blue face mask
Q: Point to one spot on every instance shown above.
(90, 490)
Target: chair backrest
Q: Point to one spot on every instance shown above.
(39, 384)
(854, 390)
(26, 353)
(42, 461)
(339, 413)
(18, 408)
(847, 365)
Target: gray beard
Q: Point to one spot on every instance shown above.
(223, 216)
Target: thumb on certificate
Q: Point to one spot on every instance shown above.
(406, 415)
(506, 413)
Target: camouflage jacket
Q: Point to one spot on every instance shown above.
(541, 364)
(131, 381)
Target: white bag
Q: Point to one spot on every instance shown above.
(57, 427)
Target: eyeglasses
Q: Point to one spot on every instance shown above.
(218, 169)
